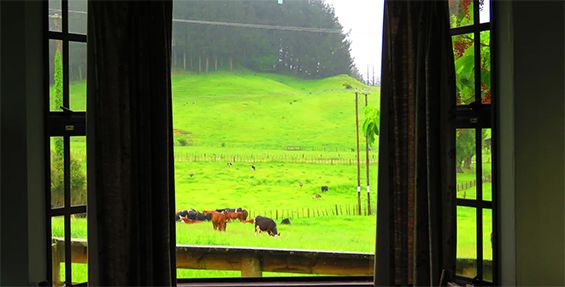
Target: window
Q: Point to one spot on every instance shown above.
(470, 22)
(66, 107)
(264, 115)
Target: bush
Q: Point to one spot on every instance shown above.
(78, 181)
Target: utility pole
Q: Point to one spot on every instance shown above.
(358, 163)
(367, 161)
(373, 80)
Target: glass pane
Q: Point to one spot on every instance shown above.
(487, 164)
(55, 75)
(78, 170)
(464, 54)
(466, 242)
(58, 250)
(267, 117)
(79, 247)
(485, 68)
(57, 172)
(484, 12)
(465, 164)
(77, 76)
(487, 244)
(55, 15)
(460, 13)
(77, 16)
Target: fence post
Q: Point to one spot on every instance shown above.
(251, 267)
(55, 264)
(336, 211)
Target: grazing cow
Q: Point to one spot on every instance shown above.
(180, 213)
(229, 164)
(266, 224)
(253, 167)
(324, 188)
(190, 221)
(316, 196)
(219, 221)
(234, 213)
(203, 216)
(285, 221)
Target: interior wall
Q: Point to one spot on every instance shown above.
(537, 107)
(22, 207)
(504, 94)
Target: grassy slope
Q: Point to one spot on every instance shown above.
(265, 111)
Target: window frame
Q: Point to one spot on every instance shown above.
(479, 116)
(476, 116)
(65, 124)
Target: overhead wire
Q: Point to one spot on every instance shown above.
(236, 24)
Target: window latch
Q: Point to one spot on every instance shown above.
(65, 109)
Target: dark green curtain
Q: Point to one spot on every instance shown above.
(130, 164)
(416, 191)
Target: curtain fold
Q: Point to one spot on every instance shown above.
(416, 190)
(130, 153)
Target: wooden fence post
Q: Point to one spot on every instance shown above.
(55, 264)
(251, 267)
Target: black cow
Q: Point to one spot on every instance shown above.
(285, 221)
(203, 216)
(230, 209)
(266, 224)
(324, 188)
(193, 215)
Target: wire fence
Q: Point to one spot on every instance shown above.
(472, 183)
(309, 212)
(344, 159)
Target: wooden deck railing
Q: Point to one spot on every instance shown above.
(251, 261)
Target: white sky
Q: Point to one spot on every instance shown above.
(364, 18)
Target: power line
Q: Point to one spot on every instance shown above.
(235, 24)
(260, 26)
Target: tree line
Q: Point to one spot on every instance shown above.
(232, 40)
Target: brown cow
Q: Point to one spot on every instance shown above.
(219, 221)
(189, 221)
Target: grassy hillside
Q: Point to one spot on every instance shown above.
(266, 111)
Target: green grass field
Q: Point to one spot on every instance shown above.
(294, 131)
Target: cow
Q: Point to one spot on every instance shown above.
(253, 167)
(235, 213)
(266, 224)
(285, 221)
(324, 188)
(316, 196)
(184, 213)
(190, 221)
(180, 214)
(192, 214)
(219, 221)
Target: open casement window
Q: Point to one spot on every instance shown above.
(475, 145)
(65, 98)
(264, 117)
